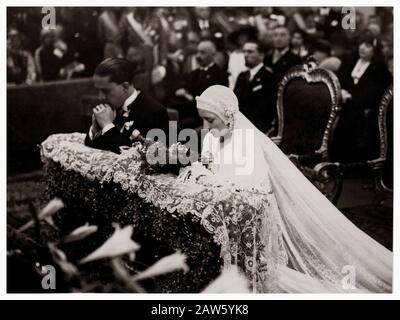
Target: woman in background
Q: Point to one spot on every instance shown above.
(363, 78)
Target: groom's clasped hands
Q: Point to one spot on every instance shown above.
(103, 115)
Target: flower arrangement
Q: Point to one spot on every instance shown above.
(158, 158)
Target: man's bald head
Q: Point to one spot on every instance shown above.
(206, 51)
(209, 46)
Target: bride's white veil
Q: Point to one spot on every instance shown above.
(321, 243)
(326, 251)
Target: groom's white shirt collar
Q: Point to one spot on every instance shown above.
(129, 100)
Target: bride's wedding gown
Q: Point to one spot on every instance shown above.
(323, 251)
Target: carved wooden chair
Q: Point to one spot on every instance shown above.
(383, 165)
(308, 103)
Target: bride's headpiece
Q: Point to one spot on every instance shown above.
(219, 100)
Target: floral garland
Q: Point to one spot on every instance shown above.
(155, 157)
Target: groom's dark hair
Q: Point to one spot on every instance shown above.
(119, 70)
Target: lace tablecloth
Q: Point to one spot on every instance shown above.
(242, 222)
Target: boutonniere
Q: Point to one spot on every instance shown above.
(128, 125)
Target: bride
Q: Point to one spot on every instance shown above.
(316, 248)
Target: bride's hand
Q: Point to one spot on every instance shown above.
(193, 173)
(206, 158)
(199, 171)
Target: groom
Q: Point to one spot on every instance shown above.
(124, 112)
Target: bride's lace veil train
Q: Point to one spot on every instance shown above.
(326, 251)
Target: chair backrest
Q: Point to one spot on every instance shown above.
(308, 103)
(385, 122)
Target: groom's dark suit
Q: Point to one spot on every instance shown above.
(144, 114)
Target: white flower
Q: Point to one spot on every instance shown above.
(230, 281)
(60, 258)
(118, 244)
(173, 262)
(128, 125)
(80, 233)
(122, 274)
(52, 207)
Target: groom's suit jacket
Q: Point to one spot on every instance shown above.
(144, 114)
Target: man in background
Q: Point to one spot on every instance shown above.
(256, 88)
(281, 58)
(207, 74)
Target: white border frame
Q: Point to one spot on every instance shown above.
(198, 297)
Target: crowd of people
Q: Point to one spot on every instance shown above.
(178, 52)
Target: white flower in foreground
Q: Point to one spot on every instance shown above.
(128, 125)
(60, 258)
(80, 233)
(122, 274)
(229, 281)
(118, 244)
(52, 207)
(173, 262)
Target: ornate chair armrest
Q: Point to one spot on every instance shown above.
(277, 140)
(308, 159)
(376, 163)
(324, 169)
(295, 159)
(326, 176)
(307, 171)
(377, 166)
(329, 179)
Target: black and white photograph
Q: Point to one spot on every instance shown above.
(199, 150)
